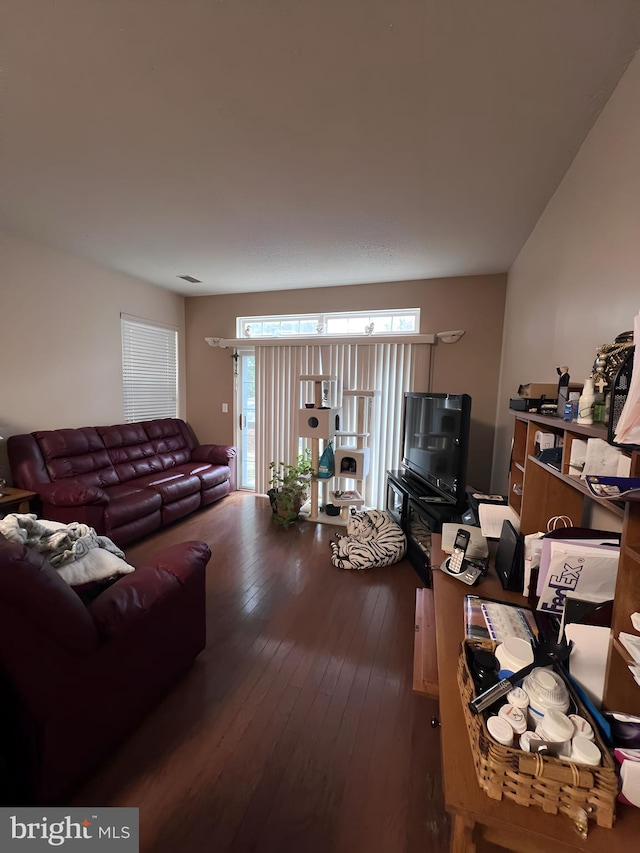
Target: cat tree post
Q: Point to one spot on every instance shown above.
(317, 422)
(352, 462)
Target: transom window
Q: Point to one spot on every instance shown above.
(339, 323)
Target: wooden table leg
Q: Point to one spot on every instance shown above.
(462, 834)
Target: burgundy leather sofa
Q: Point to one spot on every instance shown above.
(127, 480)
(75, 679)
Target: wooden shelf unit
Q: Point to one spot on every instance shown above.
(537, 492)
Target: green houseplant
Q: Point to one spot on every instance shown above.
(289, 488)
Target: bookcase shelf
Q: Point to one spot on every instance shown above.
(633, 553)
(537, 492)
(574, 480)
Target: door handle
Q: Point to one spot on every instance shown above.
(240, 421)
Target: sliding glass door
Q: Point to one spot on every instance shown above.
(246, 423)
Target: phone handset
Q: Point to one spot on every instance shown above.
(460, 546)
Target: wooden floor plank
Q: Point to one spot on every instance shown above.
(297, 727)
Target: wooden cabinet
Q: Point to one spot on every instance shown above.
(538, 491)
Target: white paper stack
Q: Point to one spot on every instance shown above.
(491, 517)
(631, 644)
(635, 672)
(588, 659)
(601, 458)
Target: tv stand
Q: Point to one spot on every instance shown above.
(419, 513)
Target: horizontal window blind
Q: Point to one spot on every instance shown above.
(149, 370)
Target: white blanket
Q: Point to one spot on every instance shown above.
(75, 550)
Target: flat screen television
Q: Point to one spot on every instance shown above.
(436, 442)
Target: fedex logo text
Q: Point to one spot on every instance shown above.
(562, 583)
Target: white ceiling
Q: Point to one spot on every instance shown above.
(269, 144)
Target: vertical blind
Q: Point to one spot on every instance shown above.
(149, 370)
(390, 369)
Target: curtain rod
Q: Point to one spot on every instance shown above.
(327, 340)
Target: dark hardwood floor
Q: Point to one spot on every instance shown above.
(296, 729)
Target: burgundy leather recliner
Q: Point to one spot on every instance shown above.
(76, 678)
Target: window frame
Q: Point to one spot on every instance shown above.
(151, 392)
(320, 320)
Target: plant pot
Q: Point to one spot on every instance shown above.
(285, 505)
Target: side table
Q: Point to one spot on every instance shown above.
(16, 500)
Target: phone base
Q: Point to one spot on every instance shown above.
(468, 575)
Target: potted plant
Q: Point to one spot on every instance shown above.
(289, 488)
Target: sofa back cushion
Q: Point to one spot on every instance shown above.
(130, 451)
(108, 455)
(147, 447)
(170, 440)
(79, 454)
(43, 605)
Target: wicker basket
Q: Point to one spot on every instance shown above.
(583, 793)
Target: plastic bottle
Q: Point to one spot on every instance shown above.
(500, 730)
(585, 404)
(573, 402)
(599, 413)
(584, 751)
(581, 727)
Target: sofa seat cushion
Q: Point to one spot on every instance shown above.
(210, 475)
(171, 485)
(129, 501)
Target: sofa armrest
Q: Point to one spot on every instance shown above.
(218, 454)
(71, 494)
(180, 560)
(128, 600)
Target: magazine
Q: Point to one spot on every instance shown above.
(486, 619)
(614, 488)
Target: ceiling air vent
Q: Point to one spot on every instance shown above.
(190, 279)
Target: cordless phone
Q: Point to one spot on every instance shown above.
(456, 565)
(460, 546)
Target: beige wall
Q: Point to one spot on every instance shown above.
(471, 366)
(576, 283)
(60, 335)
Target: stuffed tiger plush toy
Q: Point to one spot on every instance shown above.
(373, 540)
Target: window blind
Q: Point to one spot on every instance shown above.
(149, 370)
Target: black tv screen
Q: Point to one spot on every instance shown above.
(436, 442)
